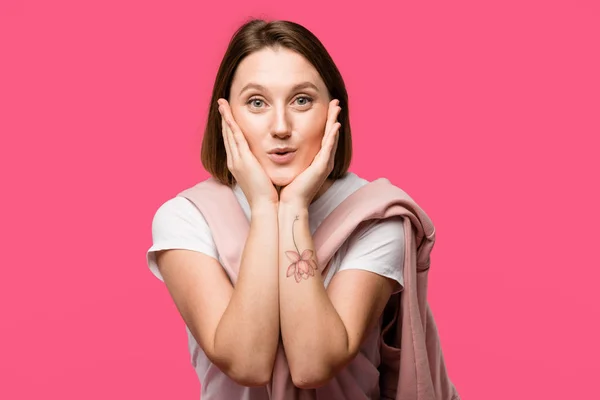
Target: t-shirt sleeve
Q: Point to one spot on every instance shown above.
(378, 246)
(178, 224)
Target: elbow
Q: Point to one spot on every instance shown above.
(312, 374)
(251, 375)
(312, 378)
(245, 364)
(251, 378)
(309, 382)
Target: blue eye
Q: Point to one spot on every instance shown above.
(306, 101)
(302, 101)
(253, 102)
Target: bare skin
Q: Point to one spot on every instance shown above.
(292, 107)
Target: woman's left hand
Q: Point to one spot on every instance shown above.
(306, 185)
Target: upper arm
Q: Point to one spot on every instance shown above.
(371, 270)
(359, 298)
(183, 255)
(200, 290)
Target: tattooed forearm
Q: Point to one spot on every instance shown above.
(303, 265)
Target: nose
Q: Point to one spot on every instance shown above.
(281, 126)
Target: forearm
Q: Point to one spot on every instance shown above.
(248, 333)
(314, 336)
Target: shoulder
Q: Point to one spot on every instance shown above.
(377, 246)
(384, 237)
(176, 217)
(177, 209)
(181, 209)
(390, 229)
(177, 223)
(345, 186)
(351, 182)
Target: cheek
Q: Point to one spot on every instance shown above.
(313, 131)
(251, 127)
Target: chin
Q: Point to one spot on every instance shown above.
(282, 179)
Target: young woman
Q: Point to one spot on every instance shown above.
(278, 133)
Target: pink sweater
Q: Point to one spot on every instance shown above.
(412, 363)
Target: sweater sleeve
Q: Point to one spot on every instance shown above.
(378, 246)
(178, 224)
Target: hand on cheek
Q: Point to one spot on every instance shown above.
(305, 186)
(242, 164)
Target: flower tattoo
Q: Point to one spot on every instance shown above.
(302, 265)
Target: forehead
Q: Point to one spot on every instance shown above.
(276, 70)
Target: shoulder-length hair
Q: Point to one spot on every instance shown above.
(256, 35)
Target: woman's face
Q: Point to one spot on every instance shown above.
(280, 102)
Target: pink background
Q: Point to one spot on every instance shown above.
(486, 113)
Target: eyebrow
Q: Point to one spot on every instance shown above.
(303, 85)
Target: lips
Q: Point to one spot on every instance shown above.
(281, 150)
(281, 156)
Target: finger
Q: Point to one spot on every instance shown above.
(233, 146)
(333, 139)
(336, 140)
(236, 132)
(329, 150)
(326, 155)
(334, 127)
(229, 133)
(226, 140)
(329, 121)
(334, 111)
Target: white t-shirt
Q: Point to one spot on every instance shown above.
(376, 246)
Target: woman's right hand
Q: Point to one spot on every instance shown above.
(244, 166)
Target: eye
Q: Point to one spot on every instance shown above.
(255, 102)
(304, 100)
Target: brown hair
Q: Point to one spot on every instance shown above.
(255, 35)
